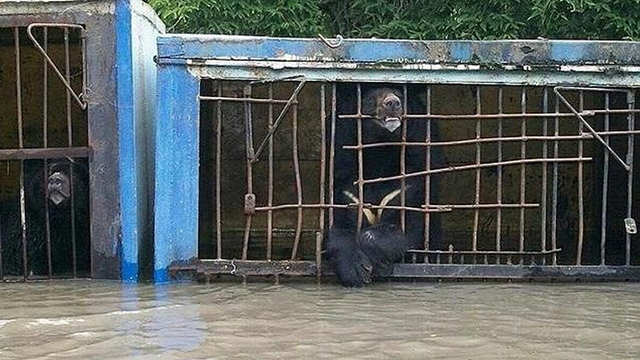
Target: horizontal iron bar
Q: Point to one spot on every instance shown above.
(249, 267)
(252, 100)
(425, 271)
(439, 208)
(584, 136)
(45, 153)
(478, 166)
(590, 273)
(498, 116)
(483, 252)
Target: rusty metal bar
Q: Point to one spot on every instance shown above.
(523, 155)
(45, 143)
(471, 167)
(476, 200)
(1, 259)
(296, 170)
(403, 161)
(499, 179)
(543, 195)
(483, 252)
(65, 80)
(270, 181)
(67, 74)
(605, 187)
(250, 155)
(323, 160)
(554, 185)
(588, 126)
(426, 208)
(48, 153)
(23, 215)
(584, 136)
(244, 100)
(218, 172)
(332, 150)
(427, 178)
(580, 188)
(631, 100)
(360, 181)
(278, 120)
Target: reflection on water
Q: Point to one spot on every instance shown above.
(87, 319)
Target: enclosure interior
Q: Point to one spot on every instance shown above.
(514, 176)
(43, 139)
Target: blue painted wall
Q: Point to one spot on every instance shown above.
(176, 171)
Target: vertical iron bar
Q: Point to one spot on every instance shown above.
(218, 172)
(332, 150)
(1, 262)
(296, 169)
(499, 180)
(250, 154)
(323, 160)
(360, 162)
(476, 213)
(523, 155)
(23, 215)
(631, 99)
(70, 144)
(580, 187)
(605, 185)
(45, 109)
(403, 160)
(270, 184)
(543, 195)
(23, 220)
(427, 178)
(554, 186)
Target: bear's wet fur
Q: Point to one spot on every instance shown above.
(357, 258)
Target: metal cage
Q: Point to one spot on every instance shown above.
(70, 109)
(526, 154)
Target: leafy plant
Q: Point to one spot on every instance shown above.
(410, 19)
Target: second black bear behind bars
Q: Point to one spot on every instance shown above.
(357, 257)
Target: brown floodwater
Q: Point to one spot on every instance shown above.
(91, 319)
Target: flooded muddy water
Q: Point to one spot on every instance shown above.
(91, 319)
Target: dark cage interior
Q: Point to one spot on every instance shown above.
(44, 177)
(489, 174)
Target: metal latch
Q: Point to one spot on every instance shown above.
(630, 226)
(249, 204)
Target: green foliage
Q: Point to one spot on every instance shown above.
(408, 19)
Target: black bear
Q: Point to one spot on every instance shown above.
(57, 189)
(357, 257)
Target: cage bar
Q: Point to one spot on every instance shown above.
(523, 155)
(360, 181)
(247, 91)
(45, 144)
(543, 195)
(332, 151)
(218, 204)
(580, 186)
(296, 170)
(605, 186)
(403, 159)
(476, 213)
(427, 178)
(499, 179)
(270, 180)
(323, 160)
(67, 74)
(631, 100)
(554, 186)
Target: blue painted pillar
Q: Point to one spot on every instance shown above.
(176, 172)
(126, 131)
